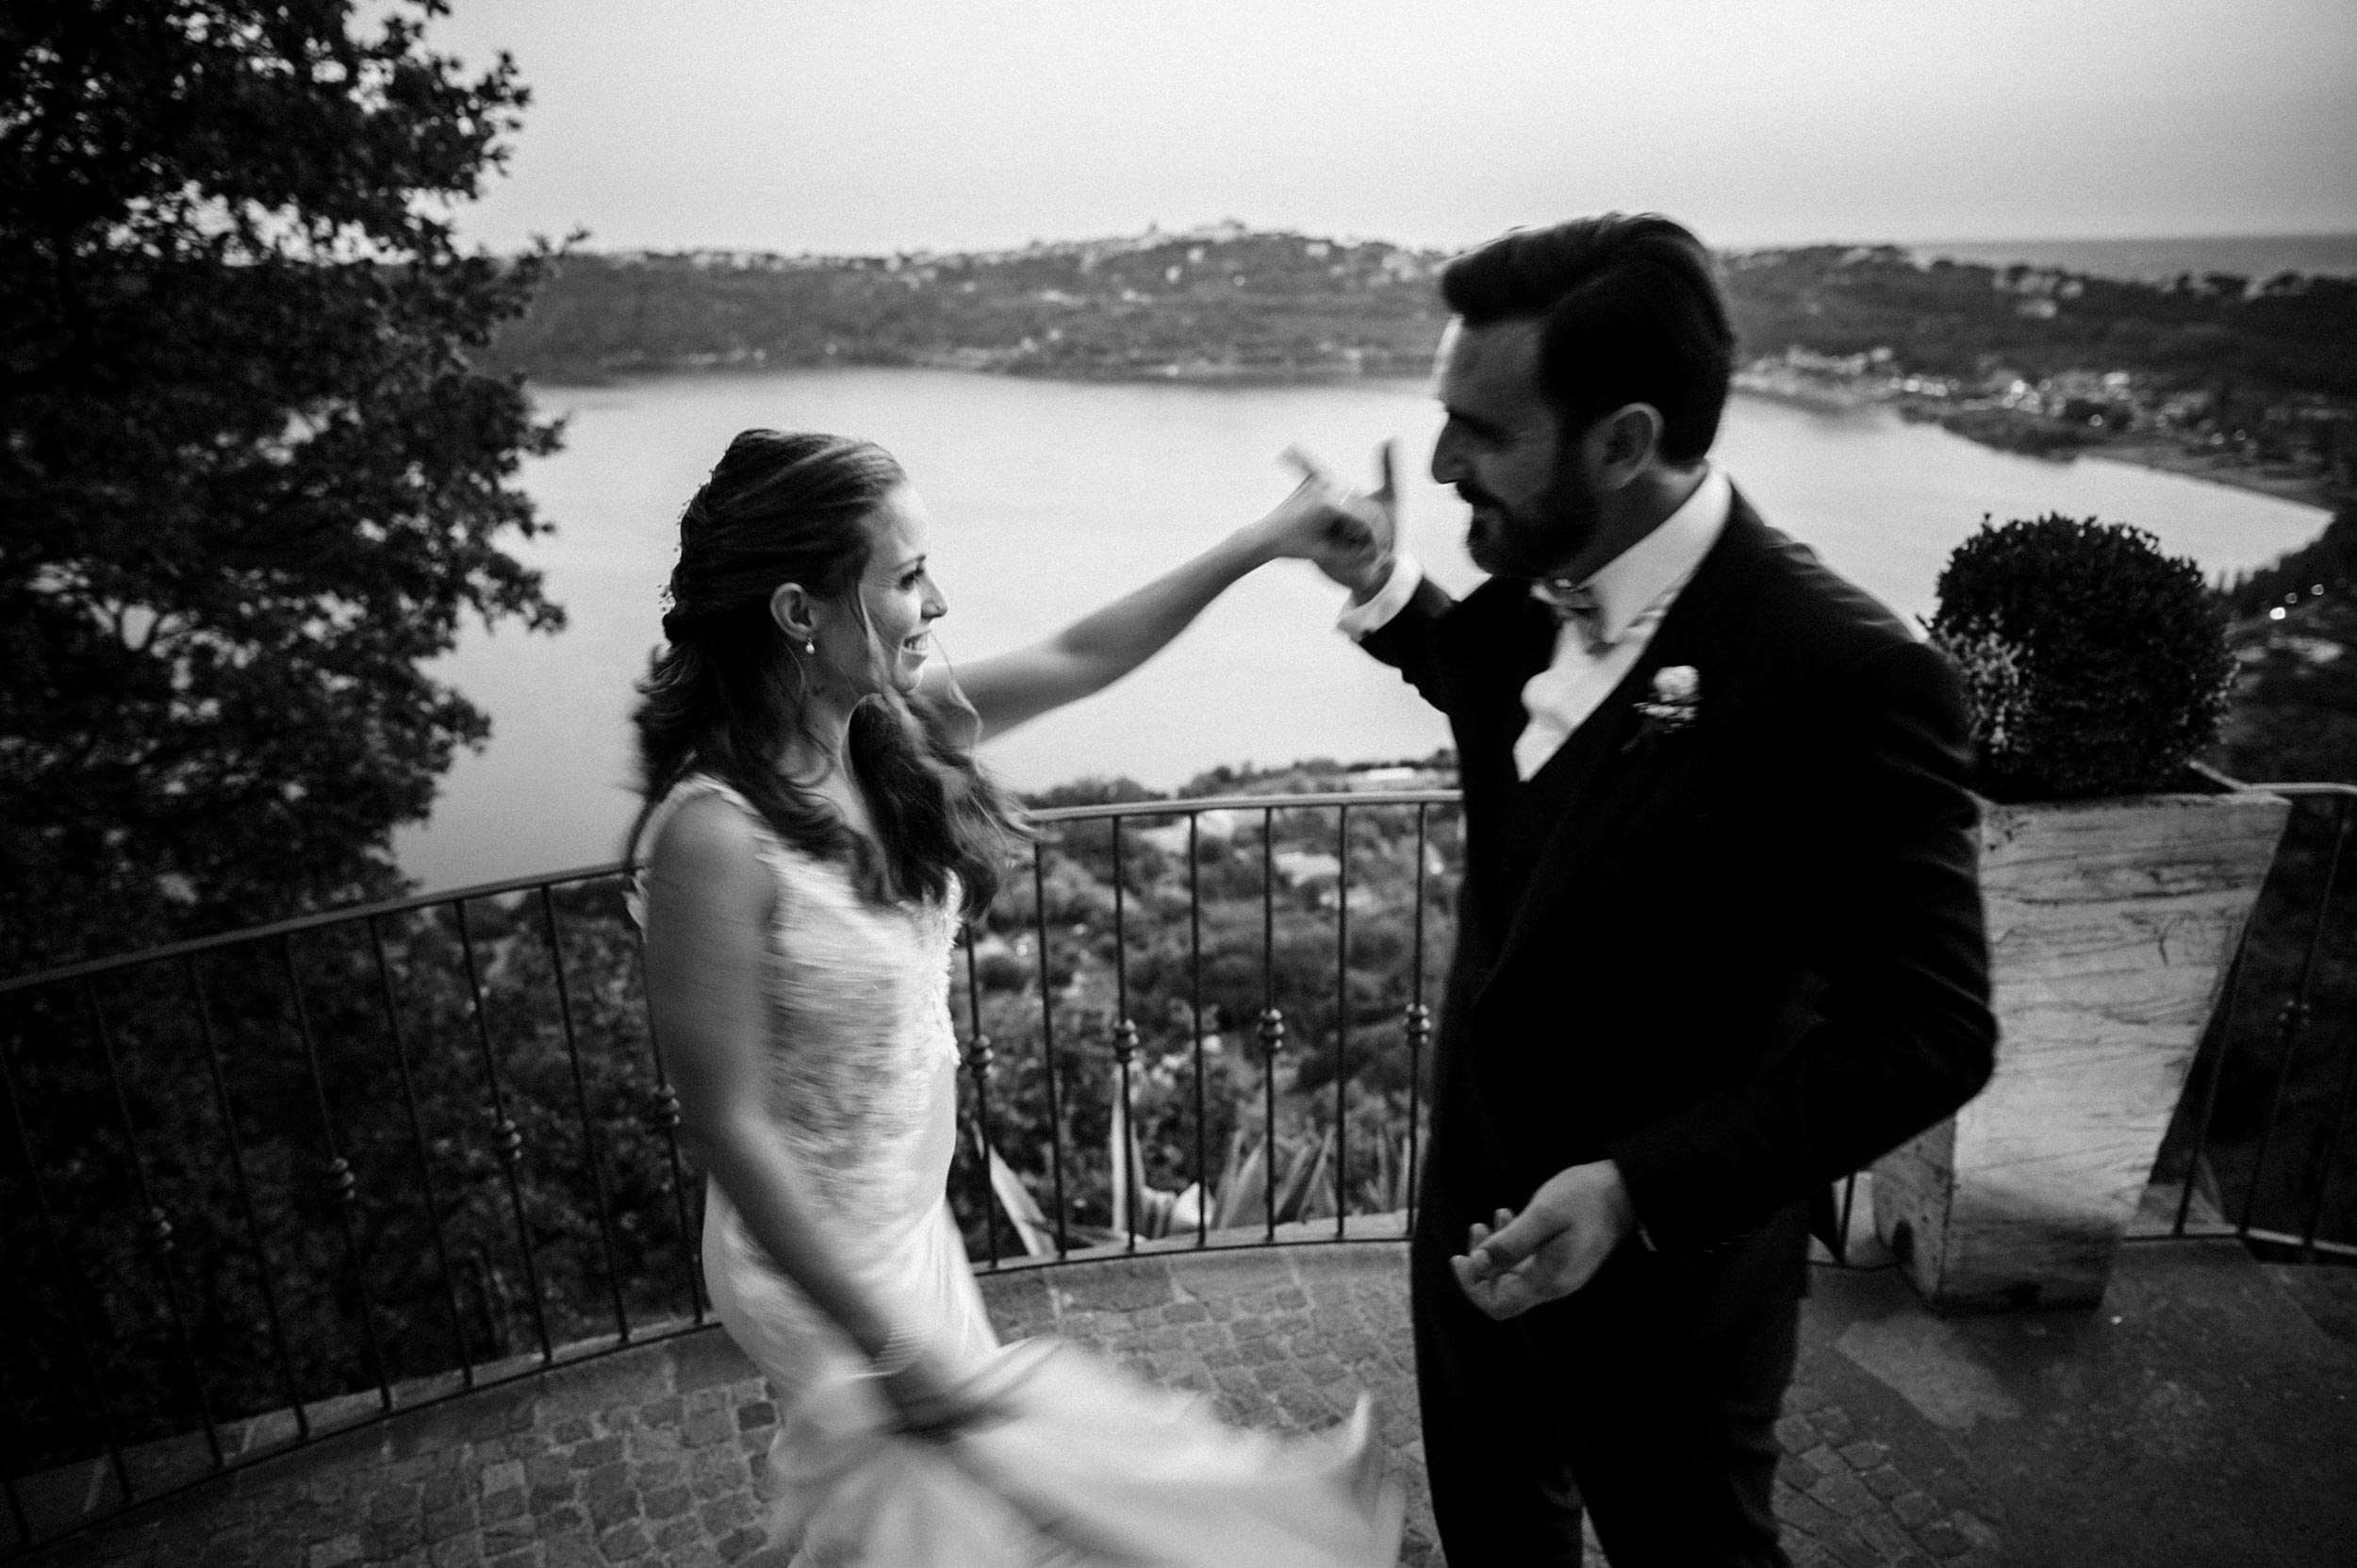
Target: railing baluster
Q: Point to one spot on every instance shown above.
(588, 1124)
(2330, 1158)
(202, 1008)
(2218, 1073)
(76, 1316)
(1418, 1022)
(511, 1138)
(2323, 1189)
(345, 1186)
(1125, 1051)
(157, 1225)
(1195, 1011)
(1271, 1019)
(1342, 1018)
(978, 1063)
(1047, 1040)
(666, 1118)
(2294, 1019)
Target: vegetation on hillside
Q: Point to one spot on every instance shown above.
(2217, 367)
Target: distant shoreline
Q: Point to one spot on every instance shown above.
(2161, 456)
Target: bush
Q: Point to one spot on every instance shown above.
(2092, 663)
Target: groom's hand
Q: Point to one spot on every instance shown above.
(1550, 1249)
(1348, 534)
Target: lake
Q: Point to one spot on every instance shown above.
(1050, 497)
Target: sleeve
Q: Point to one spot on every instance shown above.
(1357, 621)
(1409, 641)
(1902, 1033)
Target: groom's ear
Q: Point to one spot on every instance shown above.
(1622, 445)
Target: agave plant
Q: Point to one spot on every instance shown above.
(1241, 1197)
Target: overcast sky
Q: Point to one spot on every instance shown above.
(871, 126)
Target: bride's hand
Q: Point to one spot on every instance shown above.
(933, 1404)
(1348, 534)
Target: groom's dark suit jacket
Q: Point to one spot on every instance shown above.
(1741, 957)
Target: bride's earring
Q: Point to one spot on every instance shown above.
(810, 645)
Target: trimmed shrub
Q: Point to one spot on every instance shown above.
(2093, 664)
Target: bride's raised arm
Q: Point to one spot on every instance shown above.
(1006, 690)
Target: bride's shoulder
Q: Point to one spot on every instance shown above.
(706, 835)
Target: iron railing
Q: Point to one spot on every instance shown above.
(268, 1185)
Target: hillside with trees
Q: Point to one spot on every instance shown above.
(2221, 373)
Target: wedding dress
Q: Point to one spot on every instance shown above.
(1091, 1465)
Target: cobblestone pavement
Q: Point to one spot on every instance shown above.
(649, 1456)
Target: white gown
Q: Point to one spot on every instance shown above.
(1093, 1466)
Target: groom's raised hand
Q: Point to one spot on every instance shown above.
(1550, 1249)
(1348, 534)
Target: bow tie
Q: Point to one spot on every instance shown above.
(1574, 605)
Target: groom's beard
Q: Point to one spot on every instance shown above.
(1534, 539)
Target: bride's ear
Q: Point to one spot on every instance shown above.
(794, 611)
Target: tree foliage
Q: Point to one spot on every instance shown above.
(251, 476)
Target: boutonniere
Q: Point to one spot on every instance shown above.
(1675, 703)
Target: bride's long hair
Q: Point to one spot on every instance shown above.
(729, 689)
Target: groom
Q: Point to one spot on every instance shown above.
(1719, 941)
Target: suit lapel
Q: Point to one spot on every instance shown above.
(1614, 765)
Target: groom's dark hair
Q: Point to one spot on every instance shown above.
(1629, 309)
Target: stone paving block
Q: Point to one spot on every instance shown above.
(1851, 1551)
(572, 1549)
(334, 1552)
(459, 1519)
(666, 1502)
(698, 1362)
(751, 1548)
(610, 1507)
(565, 1516)
(1833, 1423)
(707, 1428)
(1845, 1494)
(1864, 1454)
(1799, 1511)
(382, 1542)
(1882, 1533)
(624, 1543)
(1885, 1482)
(550, 1470)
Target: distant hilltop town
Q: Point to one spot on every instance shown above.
(2246, 379)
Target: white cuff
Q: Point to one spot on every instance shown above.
(1357, 621)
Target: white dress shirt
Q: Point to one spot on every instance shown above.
(1633, 591)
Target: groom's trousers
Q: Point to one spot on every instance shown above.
(1616, 1397)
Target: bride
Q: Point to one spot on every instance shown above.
(815, 825)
